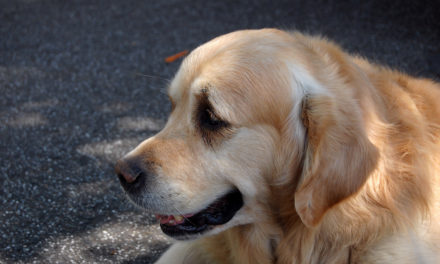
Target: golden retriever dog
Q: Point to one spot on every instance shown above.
(282, 148)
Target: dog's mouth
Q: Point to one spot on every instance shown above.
(217, 213)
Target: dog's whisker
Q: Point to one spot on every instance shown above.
(163, 79)
(153, 76)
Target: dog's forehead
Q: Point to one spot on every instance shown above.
(206, 61)
(227, 61)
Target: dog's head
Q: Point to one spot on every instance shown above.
(247, 116)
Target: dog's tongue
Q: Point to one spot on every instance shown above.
(172, 219)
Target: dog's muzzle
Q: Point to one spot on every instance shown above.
(133, 178)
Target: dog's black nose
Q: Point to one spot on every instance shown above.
(129, 172)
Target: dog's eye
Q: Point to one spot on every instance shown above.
(211, 127)
(209, 121)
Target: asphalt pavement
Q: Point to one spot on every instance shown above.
(82, 82)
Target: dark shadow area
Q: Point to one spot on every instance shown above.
(74, 98)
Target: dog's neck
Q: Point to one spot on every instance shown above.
(252, 243)
(264, 243)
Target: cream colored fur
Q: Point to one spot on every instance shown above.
(338, 159)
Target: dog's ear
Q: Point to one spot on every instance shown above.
(338, 156)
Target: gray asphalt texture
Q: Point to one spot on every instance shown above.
(77, 93)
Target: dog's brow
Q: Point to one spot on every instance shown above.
(204, 96)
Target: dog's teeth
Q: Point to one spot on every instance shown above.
(178, 218)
